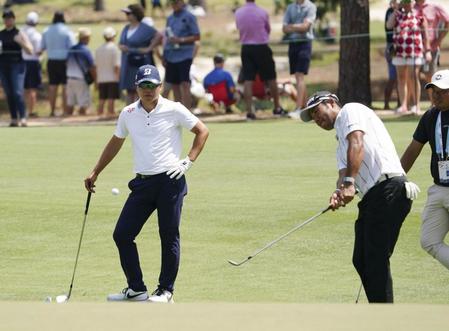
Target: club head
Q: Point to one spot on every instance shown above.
(233, 263)
(62, 298)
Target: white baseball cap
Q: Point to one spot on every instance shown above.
(109, 32)
(440, 79)
(32, 17)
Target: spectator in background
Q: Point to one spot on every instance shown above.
(389, 53)
(79, 65)
(157, 4)
(257, 58)
(12, 67)
(137, 42)
(438, 24)
(220, 84)
(182, 32)
(33, 76)
(412, 50)
(57, 39)
(298, 25)
(107, 60)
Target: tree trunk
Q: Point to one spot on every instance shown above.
(99, 5)
(354, 66)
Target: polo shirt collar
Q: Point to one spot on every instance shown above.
(155, 109)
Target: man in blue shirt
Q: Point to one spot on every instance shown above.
(57, 40)
(217, 80)
(80, 68)
(182, 32)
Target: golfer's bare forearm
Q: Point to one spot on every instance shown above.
(355, 153)
(201, 134)
(110, 151)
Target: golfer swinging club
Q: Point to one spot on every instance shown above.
(368, 164)
(155, 127)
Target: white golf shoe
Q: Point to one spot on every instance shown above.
(161, 296)
(129, 294)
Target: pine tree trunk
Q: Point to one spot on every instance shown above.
(354, 66)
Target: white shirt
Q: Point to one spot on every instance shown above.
(35, 39)
(107, 56)
(380, 155)
(156, 136)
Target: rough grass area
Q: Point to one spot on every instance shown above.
(254, 182)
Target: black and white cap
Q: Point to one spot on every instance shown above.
(315, 100)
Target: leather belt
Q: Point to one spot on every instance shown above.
(384, 177)
(140, 176)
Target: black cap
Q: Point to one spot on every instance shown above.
(315, 100)
(8, 13)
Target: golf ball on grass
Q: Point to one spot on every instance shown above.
(61, 298)
(115, 191)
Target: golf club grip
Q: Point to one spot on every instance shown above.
(89, 194)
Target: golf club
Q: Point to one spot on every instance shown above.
(236, 264)
(358, 295)
(64, 298)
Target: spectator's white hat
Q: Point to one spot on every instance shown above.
(109, 32)
(440, 79)
(84, 32)
(32, 18)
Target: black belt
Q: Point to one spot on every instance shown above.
(384, 177)
(140, 176)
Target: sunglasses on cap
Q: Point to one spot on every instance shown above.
(148, 85)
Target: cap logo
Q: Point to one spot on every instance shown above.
(147, 71)
(438, 77)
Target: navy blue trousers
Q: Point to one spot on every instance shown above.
(381, 214)
(165, 195)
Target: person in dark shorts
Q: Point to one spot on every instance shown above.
(298, 26)
(257, 58)
(107, 60)
(57, 39)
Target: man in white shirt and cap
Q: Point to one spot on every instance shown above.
(368, 165)
(155, 127)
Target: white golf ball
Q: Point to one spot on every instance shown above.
(48, 299)
(115, 191)
(61, 298)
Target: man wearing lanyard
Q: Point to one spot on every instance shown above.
(433, 128)
(368, 164)
(155, 127)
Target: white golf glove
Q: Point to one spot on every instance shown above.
(411, 190)
(180, 169)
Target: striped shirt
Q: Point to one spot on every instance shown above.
(379, 157)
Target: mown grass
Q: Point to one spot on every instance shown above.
(254, 182)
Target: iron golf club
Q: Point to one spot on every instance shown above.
(64, 298)
(358, 295)
(236, 264)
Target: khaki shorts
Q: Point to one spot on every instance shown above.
(78, 93)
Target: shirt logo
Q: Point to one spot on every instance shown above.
(130, 110)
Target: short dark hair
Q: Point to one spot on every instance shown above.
(219, 58)
(58, 17)
(138, 11)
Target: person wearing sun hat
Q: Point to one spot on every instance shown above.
(369, 166)
(107, 62)
(433, 129)
(154, 125)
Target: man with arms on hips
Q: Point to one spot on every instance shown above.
(155, 126)
(298, 25)
(435, 16)
(368, 165)
(433, 128)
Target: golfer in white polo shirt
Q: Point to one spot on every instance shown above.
(155, 127)
(367, 164)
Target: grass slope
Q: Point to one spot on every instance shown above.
(254, 182)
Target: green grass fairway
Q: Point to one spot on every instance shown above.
(253, 182)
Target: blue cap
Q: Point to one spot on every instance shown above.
(148, 73)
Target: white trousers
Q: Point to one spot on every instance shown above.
(435, 224)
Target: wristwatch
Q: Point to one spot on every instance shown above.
(350, 180)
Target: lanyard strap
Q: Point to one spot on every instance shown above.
(439, 139)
